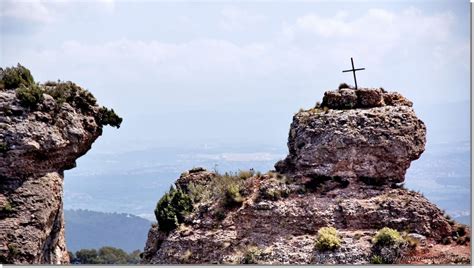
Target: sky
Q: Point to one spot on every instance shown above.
(184, 73)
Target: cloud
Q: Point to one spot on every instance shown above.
(34, 10)
(19, 17)
(237, 19)
(376, 24)
(308, 47)
(29, 16)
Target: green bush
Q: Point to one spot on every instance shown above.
(198, 192)
(172, 208)
(328, 239)
(86, 256)
(111, 255)
(13, 77)
(7, 207)
(72, 94)
(245, 174)
(105, 255)
(13, 250)
(226, 189)
(251, 255)
(387, 236)
(109, 117)
(3, 147)
(376, 259)
(29, 96)
(232, 195)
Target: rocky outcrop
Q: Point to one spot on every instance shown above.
(341, 172)
(280, 217)
(366, 133)
(44, 129)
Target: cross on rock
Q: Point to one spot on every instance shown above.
(353, 70)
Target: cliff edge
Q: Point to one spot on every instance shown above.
(44, 128)
(337, 197)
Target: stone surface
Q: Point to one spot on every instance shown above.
(38, 145)
(376, 143)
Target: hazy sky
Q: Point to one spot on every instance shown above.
(187, 72)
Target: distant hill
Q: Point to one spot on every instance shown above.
(91, 229)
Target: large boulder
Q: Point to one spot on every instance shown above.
(367, 134)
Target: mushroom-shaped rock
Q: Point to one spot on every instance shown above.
(367, 134)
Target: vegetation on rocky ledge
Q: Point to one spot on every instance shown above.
(386, 237)
(327, 239)
(172, 208)
(31, 94)
(14, 77)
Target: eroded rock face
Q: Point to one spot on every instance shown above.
(367, 134)
(280, 217)
(36, 146)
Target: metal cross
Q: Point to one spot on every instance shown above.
(354, 72)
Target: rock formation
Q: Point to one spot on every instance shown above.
(364, 133)
(346, 159)
(44, 129)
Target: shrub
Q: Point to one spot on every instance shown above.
(232, 195)
(461, 230)
(13, 250)
(29, 96)
(228, 189)
(274, 189)
(7, 207)
(198, 192)
(344, 85)
(327, 239)
(14, 77)
(245, 174)
(104, 255)
(172, 208)
(111, 255)
(3, 147)
(376, 259)
(196, 170)
(109, 117)
(72, 94)
(387, 236)
(251, 255)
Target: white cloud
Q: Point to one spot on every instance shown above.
(237, 19)
(308, 47)
(33, 10)
(376, 24)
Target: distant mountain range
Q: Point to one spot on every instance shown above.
(92, 229)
